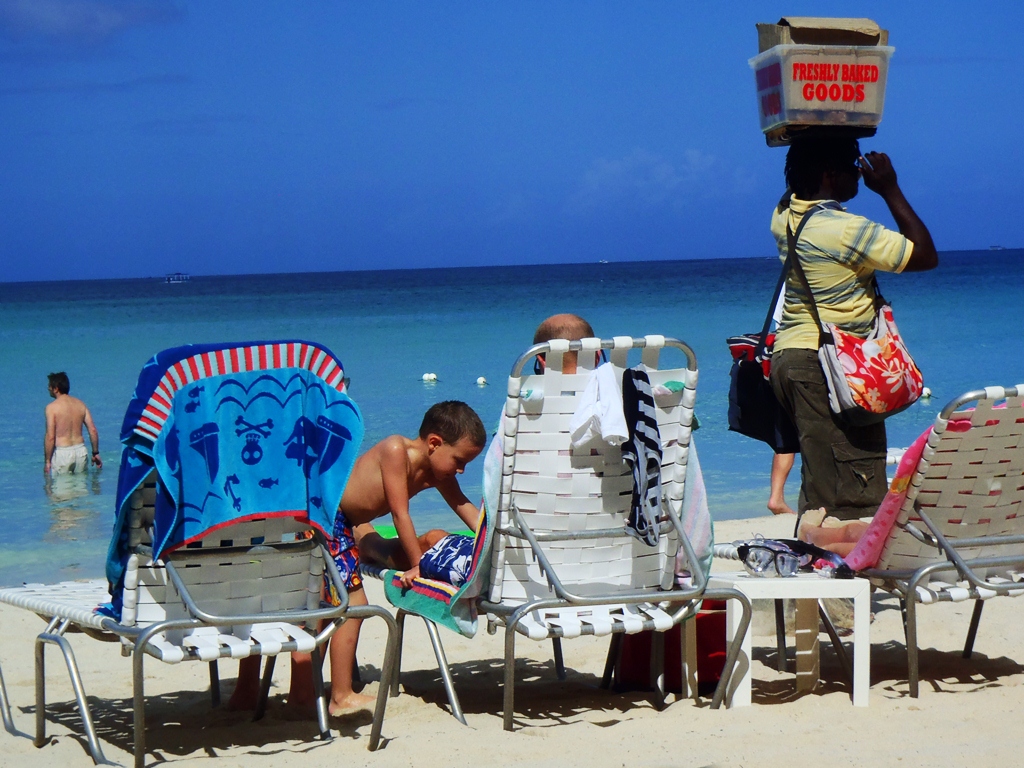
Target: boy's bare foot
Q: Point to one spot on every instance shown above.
(353, 702)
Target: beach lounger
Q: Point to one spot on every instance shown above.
(235, 459)
(562, 563)
(959, 533)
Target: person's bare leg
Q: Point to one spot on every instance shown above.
(840, 540)
(247, 688)
(301, 696)
(782, 463)
(430, 538)
(344, 700)
(374, 548)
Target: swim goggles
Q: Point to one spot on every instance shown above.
(770, 558)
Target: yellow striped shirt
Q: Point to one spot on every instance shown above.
(839, 253)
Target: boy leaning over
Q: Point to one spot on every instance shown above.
(382, 482)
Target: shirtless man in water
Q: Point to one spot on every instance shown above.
(63, 446)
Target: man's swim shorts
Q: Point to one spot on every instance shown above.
(342, 546)
(69, 459)
(448, 560)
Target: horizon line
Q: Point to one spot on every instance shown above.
(990, 249)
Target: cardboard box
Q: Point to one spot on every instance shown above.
(821, 76)
(806, 30)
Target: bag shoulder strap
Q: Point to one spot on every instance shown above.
(791, 258)
(762, 340)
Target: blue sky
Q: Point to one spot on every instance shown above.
(146, 136)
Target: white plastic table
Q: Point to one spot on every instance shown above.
(806, 590)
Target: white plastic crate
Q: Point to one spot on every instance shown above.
(816, 85)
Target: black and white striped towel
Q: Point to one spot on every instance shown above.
(642, 452)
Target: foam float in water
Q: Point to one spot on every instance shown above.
(481, 382)
(925, 393)
(429, 377)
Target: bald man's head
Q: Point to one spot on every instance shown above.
(564, 326)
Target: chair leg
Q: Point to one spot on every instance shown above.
(399, 638)
(139, 702)
(973, 631)
(510, 674)
(76, 683)
(214, 685)
(446, 674)
(780, 635)
(913, 671)
(837, 643)
(658, 670)
(556, 644)
(611, 663)
(5, 707)
(737, 643)
(386, 674)
(265, 682)
(903, 615)
(688, 659)
(318, 691)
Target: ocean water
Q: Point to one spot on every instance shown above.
(963, 322)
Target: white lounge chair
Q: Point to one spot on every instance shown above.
(247, 586)
(959, 534)
(563, 562)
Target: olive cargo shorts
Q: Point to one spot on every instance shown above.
(843, 467)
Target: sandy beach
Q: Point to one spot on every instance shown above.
(966, 712)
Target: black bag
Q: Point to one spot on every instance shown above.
(754, 410)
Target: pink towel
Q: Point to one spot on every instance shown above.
(869, 548)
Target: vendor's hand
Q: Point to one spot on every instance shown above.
(97, 461)
(878, 174)
(407, 577)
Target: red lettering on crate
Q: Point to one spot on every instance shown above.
(769, 77)
(771, 104)
(816, 71)
(834, 92)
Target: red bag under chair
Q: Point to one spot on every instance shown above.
(633, 667)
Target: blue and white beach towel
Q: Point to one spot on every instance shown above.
(235, 432)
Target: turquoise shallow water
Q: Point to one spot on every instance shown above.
(963, 323)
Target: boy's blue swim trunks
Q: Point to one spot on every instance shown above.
(342, 546)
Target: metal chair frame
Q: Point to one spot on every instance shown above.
(512, 523)
(137, 644)
(951, 553)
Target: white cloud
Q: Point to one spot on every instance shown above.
(642, 179)
(81, 22)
